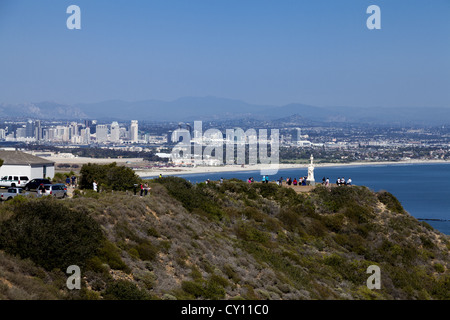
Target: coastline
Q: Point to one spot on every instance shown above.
(147, 173)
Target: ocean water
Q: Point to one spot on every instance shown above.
(423, 189)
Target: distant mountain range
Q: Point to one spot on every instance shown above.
(41, 110)
(213, 108)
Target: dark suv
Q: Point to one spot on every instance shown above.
(33, 184)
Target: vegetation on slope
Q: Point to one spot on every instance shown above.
(222, 241)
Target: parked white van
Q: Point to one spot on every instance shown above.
(13, 181)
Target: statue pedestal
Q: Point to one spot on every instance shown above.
(310, 182)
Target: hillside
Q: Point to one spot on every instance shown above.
(212, 241)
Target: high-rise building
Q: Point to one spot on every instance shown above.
(115, 132)
(29, 129)
(85, 135)
(93, 126)
(134, 131)
(38, 130)
(297, 135)
(62, 133)
(21, 133)
(124, 133)
(73, 129)
(102, 133)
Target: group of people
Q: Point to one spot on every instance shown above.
(71, 181)
(342, 182)
(300, 182)
(144, 189)
(339, 181)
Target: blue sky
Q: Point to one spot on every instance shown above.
(265, 52)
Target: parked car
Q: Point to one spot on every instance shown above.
(13, 181)
(34, 183)
(11, 193)
(58, 190)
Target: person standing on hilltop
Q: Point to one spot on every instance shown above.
(94, 186)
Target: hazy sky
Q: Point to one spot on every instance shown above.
(267, 52)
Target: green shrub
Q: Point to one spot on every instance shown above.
(358, 214)
(196, 199)
(147, 278)
(391, 202)
(253, 213)
(193, 288)
(336, 199)
(50, 234)
(109, 254)
(212, 289)
(334, 222)
(249, 233)
(147, 251)
(334, 260)
(77, 193)
(109, 177)
(153, 232)
(91, 194)
(441, 289)
(231, 274)
(164, 246)
(124, 290)
(439, 267)
(426, 242)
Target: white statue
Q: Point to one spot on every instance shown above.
(310, 180)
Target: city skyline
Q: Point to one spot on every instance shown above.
(88, 132)
(256, 51)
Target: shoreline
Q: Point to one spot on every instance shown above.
(170, 171)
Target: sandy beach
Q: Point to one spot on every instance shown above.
(85, 160)
(236, 168)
